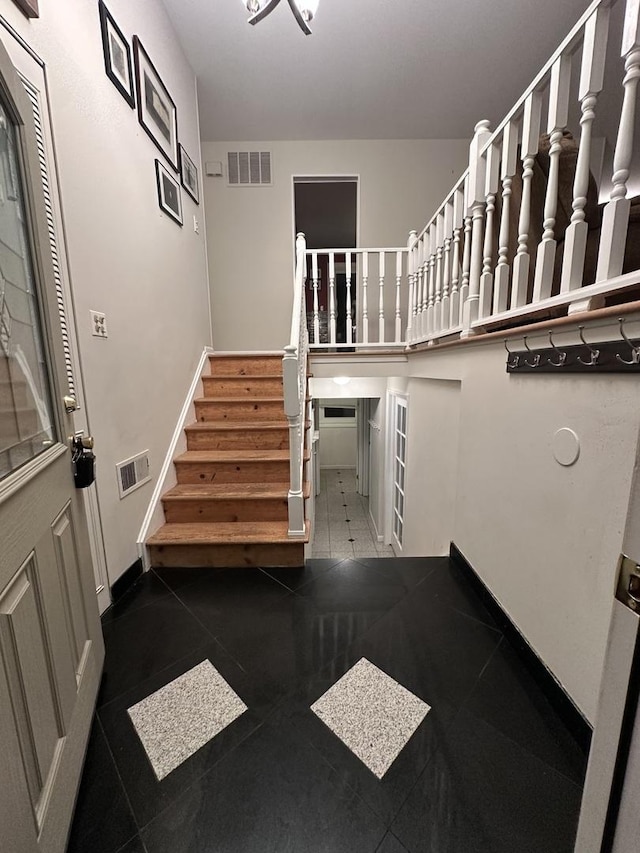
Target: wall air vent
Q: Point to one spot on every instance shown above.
(249, 168)
(132, 473)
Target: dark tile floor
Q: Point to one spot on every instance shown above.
(490, 769)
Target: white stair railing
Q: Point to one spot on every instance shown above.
(294, 381)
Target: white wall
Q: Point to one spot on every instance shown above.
(250, 229)
(544, 538)
(126, 257)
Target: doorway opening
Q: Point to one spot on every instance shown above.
(326, 212)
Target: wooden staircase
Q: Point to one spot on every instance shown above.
(229, 507)
(21, 433)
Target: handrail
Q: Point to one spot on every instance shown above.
(294, 381)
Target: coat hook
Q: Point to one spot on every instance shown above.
(635, 351)
(562, 356)
(594, 354)
(512, 364)
(536, 355)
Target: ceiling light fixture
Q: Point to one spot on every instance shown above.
(303, 11)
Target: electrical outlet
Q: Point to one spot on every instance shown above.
(98, 324)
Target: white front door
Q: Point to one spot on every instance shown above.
(51, 647)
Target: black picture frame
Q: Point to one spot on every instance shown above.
(189, 175)
(156, 110)
(169, 196)
(117, 56)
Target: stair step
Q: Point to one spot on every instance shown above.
(245, 365)
(227, 502)
(226, 545)
(268, 385)
(233, 466)
(236, 408)
(226, 435)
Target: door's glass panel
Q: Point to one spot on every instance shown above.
(26, 420)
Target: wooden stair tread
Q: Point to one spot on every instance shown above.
(236, 426)
(244, 376)
(225, 532)
(226, 491)
(201, 456)
(256, 398)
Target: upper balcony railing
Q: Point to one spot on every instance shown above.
(541, 223)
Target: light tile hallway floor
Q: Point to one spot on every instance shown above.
(343, 526)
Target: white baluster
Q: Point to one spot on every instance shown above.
(381, 298)
(398, 336)
(411, 272)
(365, 307)
(446, 265)
(314, 279)
(557, 121)
(615, 219)
(437, 306)
(477, 172)
(507, 171)
(458, 206)
(419, 330)
(349, 320)
(466, 257)
(529, 149)
(332, 298)
(491, 188)
(431, 281)
(594, 53)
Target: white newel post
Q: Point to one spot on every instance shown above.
(411, 271)
(507, 171)
(381, 297)
(616, 214)
(530, 135)
(365, 308)
(398, 329)
(491, 188)
(347, 258)
(314, 279)
(446, 271)
(332, 298)
(476, 199)
(292, 408)
(454, 308)
(594, 52)
(556, 123)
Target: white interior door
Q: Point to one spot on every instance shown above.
(51, 647)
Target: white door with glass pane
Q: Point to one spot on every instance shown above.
(399, 455)
(51, 647)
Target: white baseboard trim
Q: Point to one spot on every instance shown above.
(154, 515)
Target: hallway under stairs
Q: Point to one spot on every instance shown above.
(229, 507)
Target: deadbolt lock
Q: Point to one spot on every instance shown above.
(628, 591)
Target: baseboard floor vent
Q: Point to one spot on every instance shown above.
(133, 472)
(249, 168)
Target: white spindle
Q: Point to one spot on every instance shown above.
(398, 336)
(332, 297)
(594, 53)
(381, 298)
(508, 170)
(365, 307)
(466, 257)
(477, 171)
(411, 271)
(437, 306)
(349, 318)
(446, 272)
(456, 267)
(431, 286)
(529, 149)
(422, 285)
(314, 279)
(491, 188)
(556, 123)
(616, 214)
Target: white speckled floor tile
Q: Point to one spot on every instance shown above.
(371, 714)
(177, 720)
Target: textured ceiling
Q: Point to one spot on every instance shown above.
(373, 69)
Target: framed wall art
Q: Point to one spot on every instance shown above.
(169, 197)
(189, 175)
(117, 56)
(156, 110)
